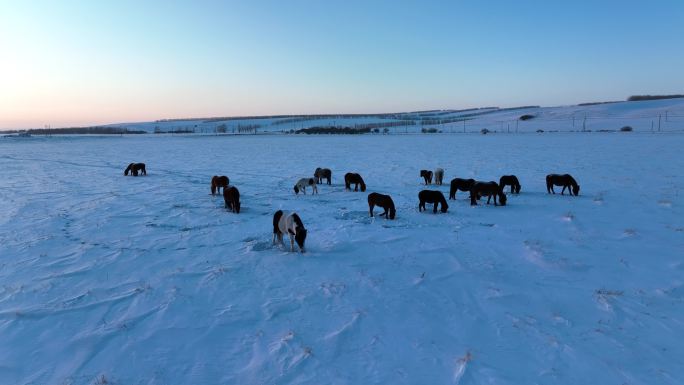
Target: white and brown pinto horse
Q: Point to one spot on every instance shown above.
(303, 183)
(290, 223)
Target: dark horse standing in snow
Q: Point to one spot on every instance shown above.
(231, 196)
(218, 182)
(488, 189)
(384, 201)
(565, 180)
(460, 184)
(135, 168)
(432, 196)
(322, 173)
(354, 178)
(427, 175)
(510, 180)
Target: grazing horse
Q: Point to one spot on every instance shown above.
(565, 180)
(134, 168)
(432, 196)
(460, 184)
(218, 182)
(231, 196)
(352, 177)
(302, 183)
(384, 201)
(439, 175)
(488, 189)
(291, 224)
(510, 180)
(322, 173)
(427, 175)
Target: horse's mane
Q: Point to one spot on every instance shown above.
(297, 220)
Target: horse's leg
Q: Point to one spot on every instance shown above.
(291, 243)
(490, 197)
(495, 200)
(434, 209)
(356, 187)
(563, 190)
(370, 208)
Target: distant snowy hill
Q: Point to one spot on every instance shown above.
(666, 115)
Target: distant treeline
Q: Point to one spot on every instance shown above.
(334, 130)
(98, 130)
(595, 103)
(636, 98)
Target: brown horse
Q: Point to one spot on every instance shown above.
(218, 182)
(460, 184)
(432, 196)
(565, 180)
(427, 175)
(510, 180)
(384, 201)
(354, 178)
(135, 168)
(322, 173)
(488, 189)
(231, 196)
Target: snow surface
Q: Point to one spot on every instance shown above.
(149, 280)
(641, 116)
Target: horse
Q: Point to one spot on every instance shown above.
(510, 180)
(565, 180)
(302, 183)
(488, 189)
(291, 224)
(322, 173)
(427, 175)
(439, 175)
(134, 168)
(218, 182)
(231, 196)
(356, 179)
(432, 196)
(460, 184)
(384, 201)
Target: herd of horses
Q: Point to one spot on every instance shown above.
(290, 223)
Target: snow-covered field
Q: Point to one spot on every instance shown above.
(149, 280)
(665, 115)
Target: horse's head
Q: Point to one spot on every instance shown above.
(392, 213)
(296, 189)
(445, 206)
(575, 189)
(502, 199)
(363, 187)
(517, 189)
(300, 237)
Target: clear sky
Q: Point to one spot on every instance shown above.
(89, 62)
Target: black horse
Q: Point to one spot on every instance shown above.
(322, 173)
(135, 168)
(384, 201)
(427, 175)
(565, 180)
(354, 178)
(219, 182)
(460, 184)
(510, 180)
(231, 196)
(488, 189)
(432, 196)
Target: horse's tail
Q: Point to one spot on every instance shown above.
(276, 218)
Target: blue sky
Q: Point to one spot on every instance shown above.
(90, 62)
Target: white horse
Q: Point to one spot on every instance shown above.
(302, 183)
(290, 223)
(439, 175)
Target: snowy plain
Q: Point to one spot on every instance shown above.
(149, 280)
